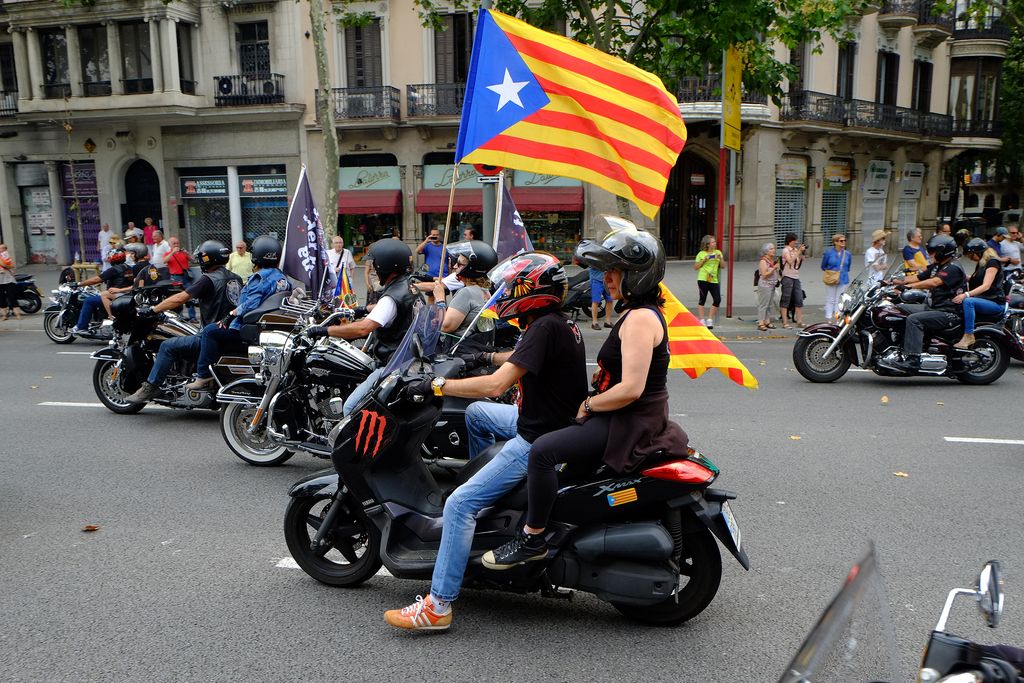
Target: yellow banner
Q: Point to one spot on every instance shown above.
(732, 99)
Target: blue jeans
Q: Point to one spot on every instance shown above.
(494, 480)
(214, 342)
(488, 422)
(186, 282)
(974, 304)
(171, 350)
(362, 390)
(89, 307)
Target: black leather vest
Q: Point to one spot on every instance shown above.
(388, 338)
(226, 288)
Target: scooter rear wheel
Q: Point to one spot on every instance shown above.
(353, 546)
(29, 302)
(702, 565)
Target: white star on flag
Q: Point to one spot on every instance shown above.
(508, 91)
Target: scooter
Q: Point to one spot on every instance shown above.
(30, 298)
(577, 299)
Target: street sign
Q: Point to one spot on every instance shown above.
(487, 179)
(487, 169)
(732, 99)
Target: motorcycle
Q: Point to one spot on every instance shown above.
(644, 542)
(62, 315)
(30, 298)
(296, 397)
(846, 644)
(869, 331)
(577, 298)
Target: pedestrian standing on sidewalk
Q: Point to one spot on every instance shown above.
(835, 264)
(875, 259)
(792, 288)
(240, 262)
(599, 293)
(708, 265)
(8, 285)
(768, 278)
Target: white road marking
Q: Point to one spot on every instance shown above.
(290, 563)
(83, 404)
(971, 439)
(75, 353)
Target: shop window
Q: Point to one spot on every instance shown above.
(990, 201)
(253, 41)
(363, 55)
(888, 77)
(971, 201)
(92, 42)
(54, 46)
(1010, 200)
(453, 46)
(135, 52)
(844, 78)
(8, 74)
(921, 96)
(186, 67)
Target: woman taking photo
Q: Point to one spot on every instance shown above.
(768, 278)
(708, 264)
(835, 264)
(627, 418)
(985, 293)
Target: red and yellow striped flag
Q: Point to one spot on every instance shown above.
(540, 102)
(694, 349)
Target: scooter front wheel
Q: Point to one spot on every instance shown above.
(350, 553)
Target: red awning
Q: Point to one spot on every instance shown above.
(354, 202)
(553, 199)
(436, 201)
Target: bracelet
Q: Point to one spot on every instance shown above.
(441, 304)
(586, 406)
(490, 358)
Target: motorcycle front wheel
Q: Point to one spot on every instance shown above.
(999, 360)
(29, 302)
(810, 361)
(55, 330)
(256, 449)
(109, 390)
(701, 564)
(351, 554)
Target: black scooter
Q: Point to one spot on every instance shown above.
(644, 542)
(577, 299)
(30, 298)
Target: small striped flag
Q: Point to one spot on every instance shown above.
(540, 102)
(694, 349)
(343, 291)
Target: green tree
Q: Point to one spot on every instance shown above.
(1011, 98)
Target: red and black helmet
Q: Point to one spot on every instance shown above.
(117, 256)
(533, 282)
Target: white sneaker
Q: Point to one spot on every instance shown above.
(710, 323)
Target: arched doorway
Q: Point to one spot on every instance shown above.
(141, 194)
(688, 212)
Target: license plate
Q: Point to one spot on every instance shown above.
(730, 523)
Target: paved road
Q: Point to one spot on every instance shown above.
(182, 582)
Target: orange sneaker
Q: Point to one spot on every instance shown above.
(419, 616)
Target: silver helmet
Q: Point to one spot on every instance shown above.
(637, 253)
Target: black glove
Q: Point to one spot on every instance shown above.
(316, 331)
(226, 321)
(420, 387)
(147, 312)
(360, 311)
(479, 360)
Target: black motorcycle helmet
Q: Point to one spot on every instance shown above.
(390, 256)
(637, 253)
(266, 252)
(481, 256)
(941, 248)
(138, 251)
(975, 245)
(211, 253)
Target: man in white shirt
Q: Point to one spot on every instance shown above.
(103, 238)
(340, 257)
(161, 249)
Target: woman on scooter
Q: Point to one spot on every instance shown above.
(626, 418)
(985, 293)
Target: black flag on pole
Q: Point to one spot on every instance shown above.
(510, 237)
(304, 256)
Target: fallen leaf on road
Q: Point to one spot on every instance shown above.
(795, 437)
(762, 363)
(901, 474)
(885, 400)
(47, 376)
(34, 386)
(939, 403)
(90, 527)
(780, 502)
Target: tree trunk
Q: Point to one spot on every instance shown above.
(325, 115)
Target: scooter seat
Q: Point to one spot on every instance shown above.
(477, 463)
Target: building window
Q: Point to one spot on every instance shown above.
(974, 91)
(453, 45)
(363, 55)
(186, 69)
(54, 45)
(844, 74)
(888, 77)
(921, 97)
(92, 42)
(8, 74)
(253, 49)
(138, 65)
(797, 59)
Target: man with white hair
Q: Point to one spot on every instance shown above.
(159, 251)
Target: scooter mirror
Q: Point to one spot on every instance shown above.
(990, 593)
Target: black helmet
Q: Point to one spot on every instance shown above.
(637, 253)
(266, 252)
(533, 282)
(138, 251)
(390, 256)
(941, 247)
(975, 245)
(480, 255)
(211, 253)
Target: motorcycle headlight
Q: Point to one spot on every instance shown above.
(256, 355)
(844, 302)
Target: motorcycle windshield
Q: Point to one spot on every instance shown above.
(426, 327)
(853, 639)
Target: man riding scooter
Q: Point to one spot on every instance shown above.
(217, 292)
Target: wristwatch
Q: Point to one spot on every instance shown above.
(438, 386)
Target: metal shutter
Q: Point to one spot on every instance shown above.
(790, 211)
(906, 216)
(263, 216)
(207, 219)
(835, 210)
(363, 55)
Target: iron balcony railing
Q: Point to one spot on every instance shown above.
(435, 99)
(929, 15)
(96, 88)
(380, 102)
(899, 7)
(983, 128)
(56, 91)
(992, 26)
(188, 87)
(248, 89)
(806, 105)
(709, 89)
(137, 86)
(8, 104)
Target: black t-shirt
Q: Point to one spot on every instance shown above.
(202, 289)
(116, 276)
(995, 292)
(140, 274)
(953, 281)
(551, 351)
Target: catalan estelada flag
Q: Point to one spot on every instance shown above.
(694, 349)
(539, 102)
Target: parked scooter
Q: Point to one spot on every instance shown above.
(577, 299)
(30, 297)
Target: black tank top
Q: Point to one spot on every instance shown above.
(609, 359)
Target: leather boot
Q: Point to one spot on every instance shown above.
(966, 342)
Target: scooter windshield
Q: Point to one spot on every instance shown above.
(426, 327)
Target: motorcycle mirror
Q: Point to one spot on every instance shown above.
(990, 593)
(417, 346)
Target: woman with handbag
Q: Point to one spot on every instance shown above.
(835, 264)
(768, 279)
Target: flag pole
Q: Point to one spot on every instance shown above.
(499, 200)
(447, 223)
